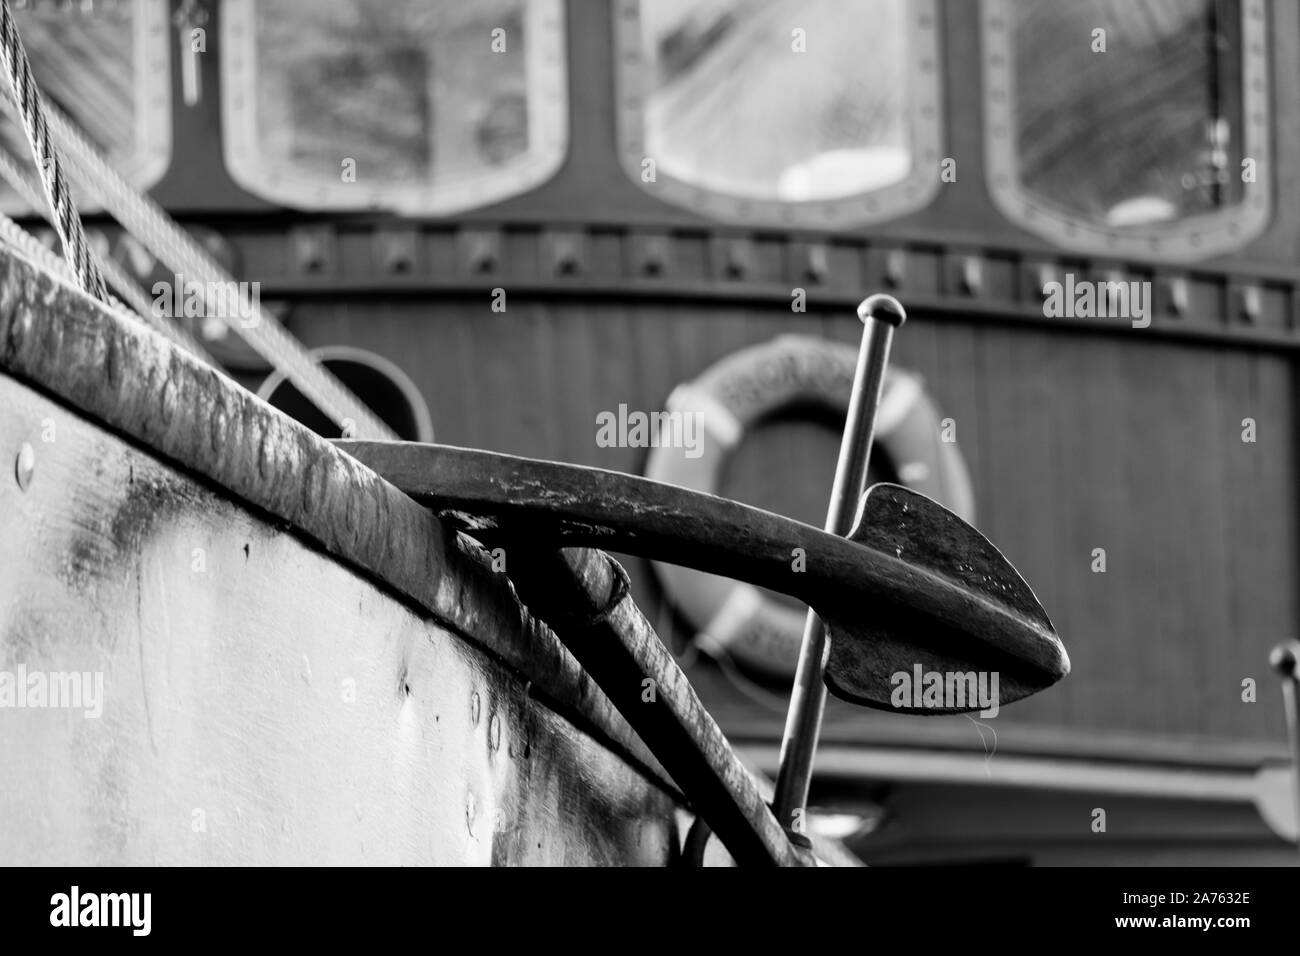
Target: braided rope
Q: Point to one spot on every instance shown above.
(133, 300)
(174, 247)
(28, 245)
(18, 72)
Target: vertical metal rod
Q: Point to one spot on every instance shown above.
(1284, 660)
(880, 315)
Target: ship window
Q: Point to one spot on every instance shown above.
(105, 64)
(420, 106)
(812, 112)
(1130, 128)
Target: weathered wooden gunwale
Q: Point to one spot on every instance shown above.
(273, 473)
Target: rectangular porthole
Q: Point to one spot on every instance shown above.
(424, 107)
(105, 64)
(1137, 128)
(770, 112)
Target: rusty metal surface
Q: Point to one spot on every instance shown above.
(139, 385)
(260, 703)
(898, 607)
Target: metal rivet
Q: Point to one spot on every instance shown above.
(397, 251)
(475, 707)
(1179, 296)
(311, 249)
(25, 465)
(895, 268)
(817, 263)
(482, 251)
(566, 253)
(494, 733)
(1114, 280)
(1249, 303)
(653, 256)
(739, 259)
(972, 275)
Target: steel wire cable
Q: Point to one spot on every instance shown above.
(32, 117)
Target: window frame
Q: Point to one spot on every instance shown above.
(546, 61)
(149, 162)
(1192, 238)
(916, 191)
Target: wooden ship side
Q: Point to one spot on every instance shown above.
(298, 664)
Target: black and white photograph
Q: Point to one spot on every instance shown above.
(854, 434)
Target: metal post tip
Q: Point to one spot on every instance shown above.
(883, 308)
(1284, 658)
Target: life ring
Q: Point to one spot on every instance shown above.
(731, 396)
